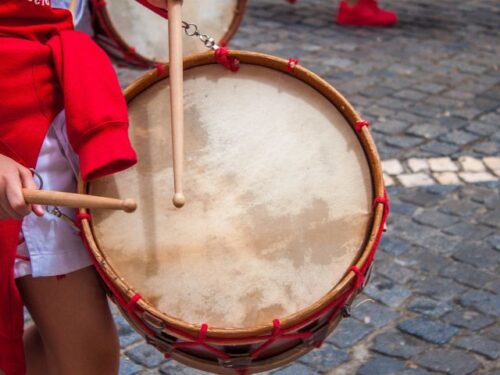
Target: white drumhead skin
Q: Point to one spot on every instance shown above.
(278, 196)
(147, 32)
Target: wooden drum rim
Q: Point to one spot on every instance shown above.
(349, 278)
(104, 17)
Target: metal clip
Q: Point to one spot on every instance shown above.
(238, 363)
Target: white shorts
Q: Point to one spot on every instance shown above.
(50, 246)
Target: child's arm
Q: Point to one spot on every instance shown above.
(14, 177)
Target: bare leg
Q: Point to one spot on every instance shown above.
(36, 360)
(74, 323)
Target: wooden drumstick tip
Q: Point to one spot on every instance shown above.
(179, 200)
(129, 205)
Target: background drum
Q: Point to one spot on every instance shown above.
(286, 206)
(135, 33)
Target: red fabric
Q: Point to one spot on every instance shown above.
(45, 67)
(365, 13)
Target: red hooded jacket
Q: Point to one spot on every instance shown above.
(45, 66)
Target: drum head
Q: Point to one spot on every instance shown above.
(147, 33)
(278, 193)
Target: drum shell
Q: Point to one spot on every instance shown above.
(320, 319)
(115, 44)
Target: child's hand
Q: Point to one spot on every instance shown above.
(159, 3)
(14, 177)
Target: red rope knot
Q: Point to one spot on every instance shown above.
(360, 277)
(160, 69)
(292, 63)
(229, 62)
(359, 125)
(385, 201)
(80, 217)
(133, 302)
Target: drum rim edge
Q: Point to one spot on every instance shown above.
(103, 16)
(378, 189)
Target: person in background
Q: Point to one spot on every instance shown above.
(364, 13)
(361, 13)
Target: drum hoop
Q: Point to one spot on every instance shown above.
(107, 26)
(297, 319)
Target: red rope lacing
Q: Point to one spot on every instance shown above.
(359, 125)
(160, 69)
(292, 63)
(229, 62)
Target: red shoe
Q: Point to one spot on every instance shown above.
(365, 13)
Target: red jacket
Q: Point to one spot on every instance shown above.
(44, 67)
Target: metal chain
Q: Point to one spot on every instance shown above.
(191, 29)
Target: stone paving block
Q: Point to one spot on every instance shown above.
(469, 319)
(325, 358)
(485, 302)
(487, 148)
(418, 165)
(421, 259)
(459, 137)
(429, 330)
(402, 207)
(394, 246)
(127, 367)
(295, 369)
(470, 164)
(348, 333)
(480, 345)
(470, 231)
(420, 197)
(394, 271)
(392, 167)
(467, 274)
(387, 292)
(145, 355)
(395, 344)
(439, 288)
(492, 218)
(435, 219)
(391, 126)
(461, 207)
(388, 180)
(427, 131)
(415, 179)
(374, 314)
(494, 241)
(444, 164)
(173, 368)
(455, 362)
(446, 178)
(477, 254)
(414, 371)
(474, 177)
(126, 334)
(429, 307)
(381, 366)
(492, 162)
(440, 148)
(403, 141)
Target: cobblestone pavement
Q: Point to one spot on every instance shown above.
(431, 88)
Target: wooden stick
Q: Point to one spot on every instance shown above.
(176, 96)
(57, 198)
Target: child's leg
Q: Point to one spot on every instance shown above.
(36, 359)
(74, 321)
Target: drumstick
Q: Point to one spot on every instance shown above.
(176, 95)
(57, 198)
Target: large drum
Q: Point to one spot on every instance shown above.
(130, 31)
(285, 208)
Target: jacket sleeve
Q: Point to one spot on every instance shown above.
(96, 112)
